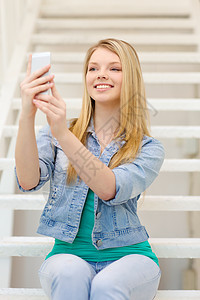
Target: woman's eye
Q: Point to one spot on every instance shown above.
(115, 69)
(92, 69)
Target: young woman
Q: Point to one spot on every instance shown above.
(98, 166)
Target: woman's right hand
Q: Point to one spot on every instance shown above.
(32, 85)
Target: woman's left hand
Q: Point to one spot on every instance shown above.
(54, 108)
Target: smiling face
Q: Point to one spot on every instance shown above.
(104, 76)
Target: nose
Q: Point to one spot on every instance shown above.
(102, 75)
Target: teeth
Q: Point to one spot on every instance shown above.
(102, 86)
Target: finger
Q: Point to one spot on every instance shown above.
(41, 88)
(41, 106)
(41, 71)
(45, 98)
(57, 100)
(41, 80)
(51, 100)
(37, 74)
(48, 108)
(28, 71)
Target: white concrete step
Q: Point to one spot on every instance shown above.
(175, 131)
(74, 103)
(114, 23)
(145, 57)
(23, 201)
(158, 104)
(181, 165)
(167, 57)
(175, 104)
(146, 203)
(22, 294)
(149, 78)
(38, 294)
(40, 246)
(169, 165)
(127, 8)
(169, 203)
(156, 131)
(135, 39)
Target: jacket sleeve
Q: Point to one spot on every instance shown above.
(134, 178)
(46, 152)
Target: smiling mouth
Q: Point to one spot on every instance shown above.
(103, 86)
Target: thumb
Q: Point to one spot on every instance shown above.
(54, 90)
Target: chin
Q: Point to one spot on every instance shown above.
(106, 101)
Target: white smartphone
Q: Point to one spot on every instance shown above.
(40, 60)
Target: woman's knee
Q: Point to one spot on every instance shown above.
(66, 265)
(64, 269)
(146, 291)
(109, 288)
(65, 272)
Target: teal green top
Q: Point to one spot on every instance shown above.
(82, 245)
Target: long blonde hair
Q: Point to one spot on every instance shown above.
(134, 117)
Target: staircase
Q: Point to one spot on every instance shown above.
(167, 39)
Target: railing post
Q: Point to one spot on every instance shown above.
(15, 11)
(196, 16)
(4, 38)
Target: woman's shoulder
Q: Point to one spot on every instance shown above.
(149, 142)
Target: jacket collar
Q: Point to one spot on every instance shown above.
(91, 126)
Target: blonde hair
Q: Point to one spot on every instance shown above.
(134, 117)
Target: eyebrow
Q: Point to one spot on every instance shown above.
(114, 62)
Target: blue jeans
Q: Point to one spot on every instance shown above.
(66, 276)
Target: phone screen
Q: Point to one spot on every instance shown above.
(40, 60)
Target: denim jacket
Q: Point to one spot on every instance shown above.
(116, 221)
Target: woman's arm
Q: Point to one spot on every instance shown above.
(134, 178)
(26, 152)
(91, 170)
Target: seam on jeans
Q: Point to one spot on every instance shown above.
(156, 277)
(148, 258)
(91, 269)
(44, 274)
(44, 263)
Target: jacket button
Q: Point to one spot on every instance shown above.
(98, 215)
(99, 243)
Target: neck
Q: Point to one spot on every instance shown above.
(106, 121)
